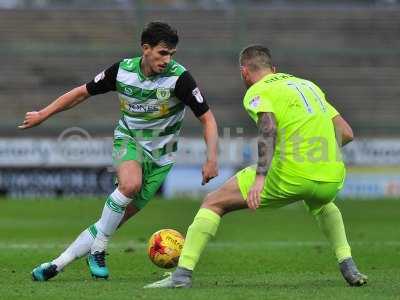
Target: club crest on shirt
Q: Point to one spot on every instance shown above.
(255, 102)
(163, 93)
(197, 94)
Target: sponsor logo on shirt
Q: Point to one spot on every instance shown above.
(99, 77)
(197, 94)
(128, 91)
(160, 108)
(143, 108)
(255, 102)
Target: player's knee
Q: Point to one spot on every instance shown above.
(129, 187)
(213, 203)
(329, 208)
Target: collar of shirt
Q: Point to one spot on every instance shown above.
(143, 77)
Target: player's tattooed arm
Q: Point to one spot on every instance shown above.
(266, 147)
(266, 142)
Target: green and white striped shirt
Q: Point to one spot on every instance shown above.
(152, 108)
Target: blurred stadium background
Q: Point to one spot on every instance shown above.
(350, 48)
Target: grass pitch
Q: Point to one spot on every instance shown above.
(270, 254)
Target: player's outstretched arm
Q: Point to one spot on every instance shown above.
(66, 101)
(344, 133)
(210, 132)
(266, 147)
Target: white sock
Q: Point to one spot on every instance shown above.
(78, 248)
(100, 243)
(112, 215)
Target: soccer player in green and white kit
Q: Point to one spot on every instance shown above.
(153, 91)
(298, 159)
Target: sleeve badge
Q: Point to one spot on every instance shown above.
(197, 94)
(255, 102)
(99, 77)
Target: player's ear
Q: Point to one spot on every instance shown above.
(243, 72)
(146, 48)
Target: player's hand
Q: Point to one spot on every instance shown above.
(209, 171)
(254, 196)
(32, 119)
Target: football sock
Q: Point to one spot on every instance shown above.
(78, 248)
(204, 226)
(112, 215)
(331, 222)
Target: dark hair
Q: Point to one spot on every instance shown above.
(256, 57)
(157, 32)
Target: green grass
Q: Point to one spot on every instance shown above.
(264, 255)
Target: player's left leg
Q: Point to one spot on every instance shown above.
(81, 246)
(101, 231)
(77, 249)
(331, 223)
(205, 224)
(153, 177)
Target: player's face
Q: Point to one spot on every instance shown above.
(158, 57)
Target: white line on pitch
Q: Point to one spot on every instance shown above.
(241, 244)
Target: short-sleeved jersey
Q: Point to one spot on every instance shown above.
(306, 144)
(152, 108)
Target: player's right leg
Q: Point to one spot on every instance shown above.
(205, 224)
